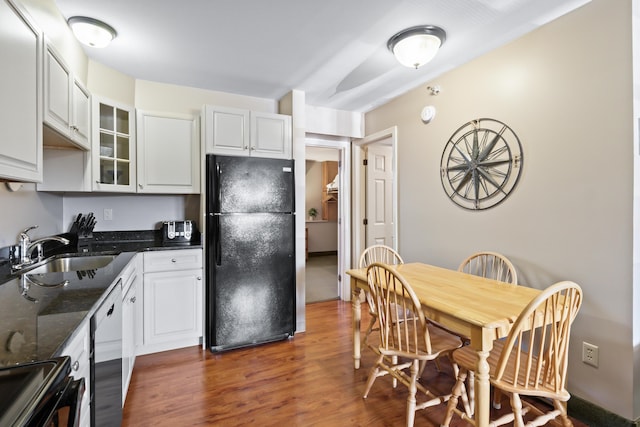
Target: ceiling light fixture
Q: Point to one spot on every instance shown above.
(91, 32)
(417, 45)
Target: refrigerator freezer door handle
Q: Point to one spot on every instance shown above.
(218, 245)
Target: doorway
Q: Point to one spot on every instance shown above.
(327, 241)
(375, 209)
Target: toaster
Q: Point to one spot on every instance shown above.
(179, 231)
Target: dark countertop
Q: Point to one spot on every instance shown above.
(37, 321)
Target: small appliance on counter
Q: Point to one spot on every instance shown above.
(183, 231)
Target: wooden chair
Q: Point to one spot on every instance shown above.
(385, 255)
(529, 363)
(405, 343)
(491, 265)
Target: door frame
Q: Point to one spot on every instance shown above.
(359, 185)
(344, 206)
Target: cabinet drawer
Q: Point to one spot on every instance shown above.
(172, 260)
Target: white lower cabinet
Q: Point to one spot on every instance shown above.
(78, 349)
(172, 307)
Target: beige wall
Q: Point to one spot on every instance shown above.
(566, 90)
(156, 96)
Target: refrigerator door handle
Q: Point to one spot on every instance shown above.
(217, 243)
(218, 189)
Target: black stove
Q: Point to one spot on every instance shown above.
(40, 394)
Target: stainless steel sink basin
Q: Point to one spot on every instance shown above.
(73, 263)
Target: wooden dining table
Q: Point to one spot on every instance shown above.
(476, 307)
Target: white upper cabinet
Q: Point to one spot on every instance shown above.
(168, 153)
(227, 130)
(114, 146)
(80, 114)
(66, 100)
(270, 135)
(21, 99)
(233, 131)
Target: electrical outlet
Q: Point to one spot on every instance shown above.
(108, 214)
(590, 354)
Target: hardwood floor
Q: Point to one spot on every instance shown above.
(306, 381)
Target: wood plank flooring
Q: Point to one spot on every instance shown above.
(306, 381)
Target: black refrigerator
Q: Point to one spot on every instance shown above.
(249, 251)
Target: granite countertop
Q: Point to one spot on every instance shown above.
(37, 317)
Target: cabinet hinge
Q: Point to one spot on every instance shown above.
(364, 162)
(365, 222)
(339, 278)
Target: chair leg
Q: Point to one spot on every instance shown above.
(373, 374)
(497, 395)
(471, 392)
(455, 395)
(516, 405)
(394, 361)
(560, 406)
(411, 399)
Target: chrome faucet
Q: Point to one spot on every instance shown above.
(26, 248)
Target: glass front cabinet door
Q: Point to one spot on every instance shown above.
(114, 163)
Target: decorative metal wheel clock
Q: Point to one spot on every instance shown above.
(481, 164)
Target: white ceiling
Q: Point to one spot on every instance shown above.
(333, 50)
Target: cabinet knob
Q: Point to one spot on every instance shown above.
(75, 366)
(174, 260)
(198, 278)
(133, 299)
(140, 185)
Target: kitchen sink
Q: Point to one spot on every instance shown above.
(73, 263)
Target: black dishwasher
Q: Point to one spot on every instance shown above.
(106, 361)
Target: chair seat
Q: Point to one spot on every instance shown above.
(441, 342)
(467, 358)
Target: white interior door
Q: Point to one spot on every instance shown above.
(388, 138)
(379, 206)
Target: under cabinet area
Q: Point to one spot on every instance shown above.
(168, 153)
(234, 131)
(21, 100)
(172, 307)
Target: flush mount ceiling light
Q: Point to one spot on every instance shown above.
(416, 46)
(91, 32)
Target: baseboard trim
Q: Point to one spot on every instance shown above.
(595, 416)
(312, 254)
